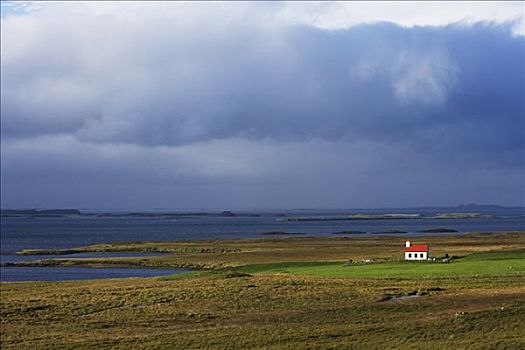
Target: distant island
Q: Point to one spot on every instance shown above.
(398, 216)
(39, 213)
(463, 211)
(56, 213)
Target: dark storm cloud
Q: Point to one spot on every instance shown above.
(372, 81)
(201, 106)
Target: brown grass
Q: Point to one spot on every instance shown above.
(229, 253)
(217, 310)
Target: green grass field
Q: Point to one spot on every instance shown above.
(479, 264)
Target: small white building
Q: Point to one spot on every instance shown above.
(416, 252)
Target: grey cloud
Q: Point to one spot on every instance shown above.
(237, 173)
(372, 79)
(171, 107)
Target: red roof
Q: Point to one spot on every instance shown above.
(417, 248)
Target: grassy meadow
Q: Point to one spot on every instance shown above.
(289, 293)
(477, 264)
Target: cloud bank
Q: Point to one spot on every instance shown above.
(260, 105)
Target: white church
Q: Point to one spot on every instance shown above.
(416, 252)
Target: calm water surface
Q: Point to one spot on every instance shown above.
(19, 274)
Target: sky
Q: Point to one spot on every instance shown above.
(126, 105)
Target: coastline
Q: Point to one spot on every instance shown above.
(228, 253)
